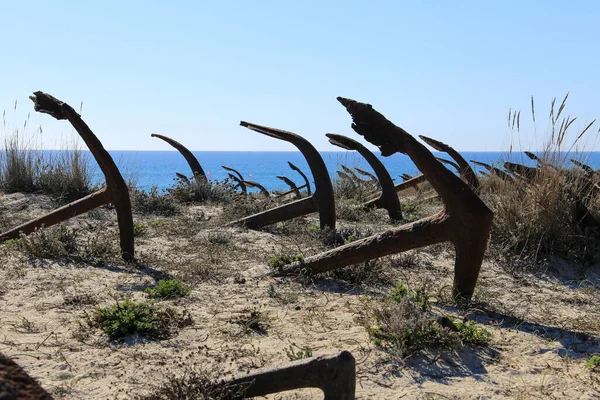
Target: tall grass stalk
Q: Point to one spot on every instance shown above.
(63, 174)
(536, 221)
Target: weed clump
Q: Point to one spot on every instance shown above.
(64, 175)
(48, 243)
(406, 325)
(169, 289)
(153, 202)
(279, 261)
(542, 216)
(195, 385)
(593, 363)
(147, 320)
(220, 237)
(202, 191)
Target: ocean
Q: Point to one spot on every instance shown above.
(158, 168)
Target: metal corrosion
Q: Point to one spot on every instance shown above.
(335, 375)
(496, 171)
(191, 159)
(388, 198)
(321, 200)
(465, 170)
(115, 192)
(298, 170)
(292, 185)
(465, 220)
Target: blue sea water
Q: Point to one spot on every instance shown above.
(158, 168)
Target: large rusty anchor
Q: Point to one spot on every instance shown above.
(306, 183)
(335, 375)
(465, 170)
(388, 198)
(115, 192)
(465, 220)
(321, 200)
(495, 171)
(191, 159)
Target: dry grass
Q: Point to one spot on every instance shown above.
(63, 174)
(536, 220)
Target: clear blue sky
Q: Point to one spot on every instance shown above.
(192, 70)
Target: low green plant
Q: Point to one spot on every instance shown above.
(50, 243)
(153, 202)
(99, 248)
(157, 223)
(279, 261)
(145, 319)
(252, 321)
(168, 289)
(419, 296)
(202, 191)
(593, 363)
(300, 354)
(282, 298)
(195, 385)
(349, 210)
(220, 237)
(470, 333)
(139, 229)
(403, 328)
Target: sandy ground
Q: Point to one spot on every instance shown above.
(544, 326)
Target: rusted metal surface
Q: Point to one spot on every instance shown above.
(496, 171)
(372, 177)
(584, 167)
(523, 171)
(16, 384)
(335, 375)
(465, 220)
(239, 182)
(182, 178)
(465, 170)
(322, 199)
(388, 198)
(116, 191)
(291, 184)
(235, 171)
(253, 184)
(451, 163)
(298, 170)
(191, 159)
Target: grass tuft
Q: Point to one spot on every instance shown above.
(147, 320)
(169, 289)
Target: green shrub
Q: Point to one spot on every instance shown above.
(278, 262)
(470, 333)
(195, 385)
(405, 329)
(153, 202)
(201, 191)
(219, 237)
(131, 317)
(168, 290)
(302, 353)
(593, 363)
(50, 243)
(419, 296)
(139, 229)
